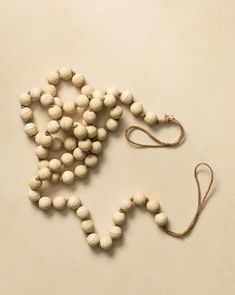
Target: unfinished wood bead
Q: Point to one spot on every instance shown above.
(50, 89)
(53, 77)
(98, 93)
(91, 161)
(89, 117)
(93, 240)
(70, 143)
(126, 205)
(112, 124)
(53, 126)
(139, 199)
(56, 144)
(84, 144)
(54, 165)
(43, 163)
(161, 219)
(113, 90)
(78, 154)
(69, 107)
(81, 171)
(34, 196)
(25, 99)
(115, 232)
(83, 212)
(116, 113)
(45, 203)
(82, 101)
(59, 203)
(80, 131)
(47, 99)
(26, 114)
(66, 123)
(43, 139)
(30, 129)
(41, 152)
(73, 202)
(55, 112)
(67, 177)
(91, 131)
(119, 218)
(96, 105)
(55, 177)
(96, 147)
(153, 206)
(58, 102)
(66, 73)
(110, 100)
(87, 90)
(44, 173)
(35, 183)
(67, 159)
(136, 108)
(150, 118)
(106, 242)
(126, 97)
(101, 134)
(78, 80)
(87, 226)
(35, 93)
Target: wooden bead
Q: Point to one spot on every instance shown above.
(30, 129)
(82, 101)
(83, 212)
(53, 78)
(67, 159)
(70, 143)
(58, 102)
(126, 97)
(73, 202)
(45, 203)
(84, 144)
(35, 183)
(43, 139)
(139, 199)
(161, 219)
(136, 108)
(80, 131)
(116, 113)
(153, 206)
(78, 154)
(150, 118)
(55, 112)
(89, 117)
(110, 100)
(47, 100)
(44, 173)
(56, 144)
(65, 73)
(25, 99)
(114, 91)
(96, 147)
(41, 152)
(69, 107)
(106, 242)
(87, 90)
(112, 124)
(81, 171)
(93, 240)
(53, 126)
(54, 165)
(67, 177)
(78, 80)
(91, 131)
(59, 203)
(26, 114)
(87, 226)
(98, 94)
(36, 93)
(126, 205)
(50, 89)
(66, 123)
(91, 161)
(101, 134)
(43, 163)
(55, 177)
(119, 218)
(115, 232)
(34, 196)
(96, 104)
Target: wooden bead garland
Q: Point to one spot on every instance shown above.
(83, 143)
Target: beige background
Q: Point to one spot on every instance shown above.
(177, 57)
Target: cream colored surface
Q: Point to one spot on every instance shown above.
(177, 57)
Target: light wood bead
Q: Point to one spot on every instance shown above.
(83, 213)
(102, 134)
(110, 100)
(67, 177)
(89, 117)
(41, 152)
(70, 143)
(150, 118)
(106, 242)
(73, 202)
(45, 203)
(78, 80)
(47, 99)
(78, 154)
(35, 183)
(93, 240)
(66, 123)
(25, 99)
(119, 218)
(153, 206)
(26, 114)
(81, 171)
(82, 101)
(50, 89)
(53, 78)
(161, 219)
(44, 173)
(56, 144)
(116, 113)
(67, 159)
(55, 177)
(30, 129)
(87, 226)
(84, 144)
(91, 131)
(43, 139)
(126, 97)
(136, 108)
(43, 163)
(114, 91)
(80, 131)
(66, 73)
(69, 107)
(139, 199)
(91, 161)
(54, 165)
(96, 104)
(58, 102)
(34, 196)
(98, 93)
(55, 112)
(87, 90)
(53, 126)
(96, 147)
(59, 203)
(112, 124)
(35, 93)
(126, 205)
(115, 232)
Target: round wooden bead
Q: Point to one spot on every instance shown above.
(66, 73)
(110, 100)
(98, 93)
(106, 242)
(58, 102)
(84, 144)
(43, 163)
(116, 113)
(26, 114)
(161, 219)
(96, 104)
(101, 134)
(47, 100)
(59, 203)
(73, 202)
(112, 124)
(119, 218)
(43, 139)
(82, 101)
(87, 90)
(78, 154)
(91, 161)
(30, 129)
(81, 171)
(34, 196)
(115, 232)
(25, 99)
(44, 173)
(53, 126)
(91, 131)
(67, 177)
(55, 112)
(41, 152)
(93, 240)
(78, 80)
(114, 91)
(35, 183)
(54, 165)
(70, 143)
(36, 93)
(87, 226)
(53, 78)
(96, 147)
(67, 159)
(153, 206)
(139, 199)
(136, 108)
(80, 131)
(126, 205)
(55, 177)
(56, 144)
(66, 123)
(89, 116)
(83, 212)
(150, 118)
(50, 89)
(69, 107)
(126, 97)
(45, 203)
